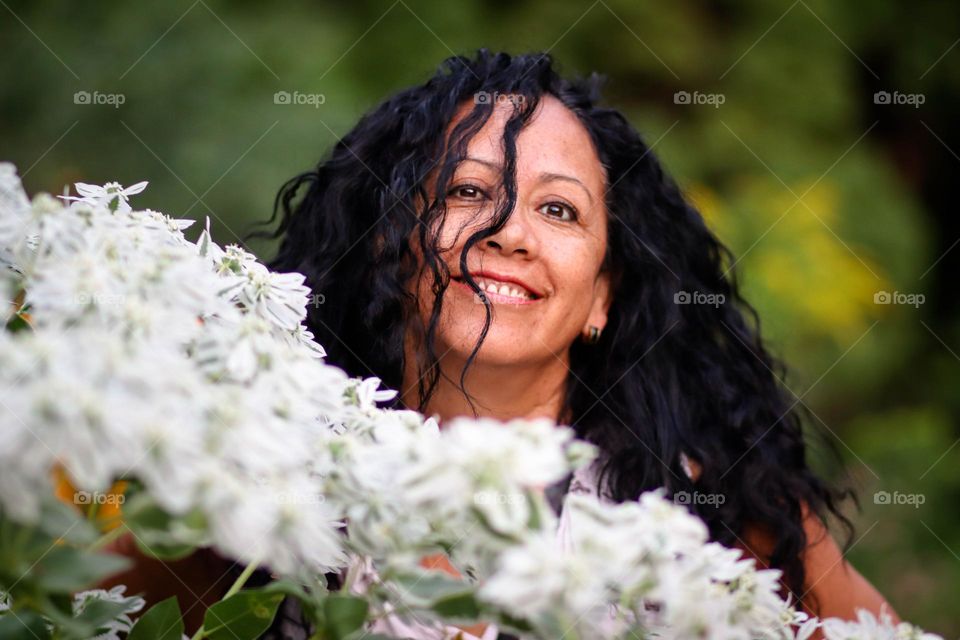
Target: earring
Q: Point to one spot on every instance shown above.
(593, 337)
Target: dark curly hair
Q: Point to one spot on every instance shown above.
(665, 379)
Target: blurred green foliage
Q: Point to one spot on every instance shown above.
(807, 179)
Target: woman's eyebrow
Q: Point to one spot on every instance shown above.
(544, 177)
(487, 163)
(548, 177)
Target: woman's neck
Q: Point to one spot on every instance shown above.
(502, 392)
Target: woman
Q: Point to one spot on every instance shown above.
(496, 243)
(499, 175)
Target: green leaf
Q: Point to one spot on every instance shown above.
(536, 505)
(242, 616)
(66, 569)
(449, 597)
(167, 552)
(344, 615)
(62, 521)
(310, 602)
(288, 587)
(17, 323)
(506, 622)
(462, 606)
(427, 588)
(160, 535)
(22, 547)
(24, 625)
(94, 616)
(57, 608)
(161, 622)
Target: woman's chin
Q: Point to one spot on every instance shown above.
(500, 347)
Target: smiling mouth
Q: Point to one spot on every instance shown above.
(498, 291)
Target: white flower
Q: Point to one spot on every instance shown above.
(14, 213)
(562, 594)
(868, 627)
(112, 195)
(280, 298)
(302, 338)
(486, 466)
(121, 624)
(109, 630)
(368, 396)
(285, 524)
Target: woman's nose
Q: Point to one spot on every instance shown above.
(516, 236)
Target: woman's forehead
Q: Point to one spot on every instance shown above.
(554, 141)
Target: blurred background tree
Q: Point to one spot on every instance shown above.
(829, 196)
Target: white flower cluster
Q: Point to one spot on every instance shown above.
(114, 629)
(653, 560)
(472, 487)
(122, 624)
(188, 367)
(869, 627)
(183, 365)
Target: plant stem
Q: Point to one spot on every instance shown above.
(234, 588)
(242, 579)
(108, 537)
(353, 571)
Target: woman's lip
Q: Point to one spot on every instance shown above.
(484, 274)
(498, 277)
(495, 297)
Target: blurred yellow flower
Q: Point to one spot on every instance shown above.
(791, 256)
(105, 510)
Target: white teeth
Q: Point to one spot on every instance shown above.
(503, 289)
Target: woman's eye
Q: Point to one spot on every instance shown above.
(559, 210)
(466, 191)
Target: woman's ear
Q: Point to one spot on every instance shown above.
(600, 306)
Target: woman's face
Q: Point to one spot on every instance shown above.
(545, 261)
